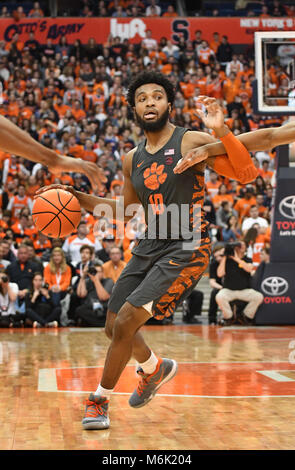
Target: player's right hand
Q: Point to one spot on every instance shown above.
(64, 187)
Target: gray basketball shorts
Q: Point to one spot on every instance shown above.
(159, 276)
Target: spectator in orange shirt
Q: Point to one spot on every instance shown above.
(214, 44)
(36, 11)
(21, 229)
(112, 269)
(213, 184)
(205, 54)
(243, 205)
(222, 195)
(264, 12)
(75, 149)
(77, 111)
(170, 13)
(265, 172)
(186, 86)
(58, 275)
(89, 154)
(214, 87)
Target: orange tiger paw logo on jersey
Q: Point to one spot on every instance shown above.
(154, 176)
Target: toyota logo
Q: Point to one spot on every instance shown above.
(274, 285)
(287, 207)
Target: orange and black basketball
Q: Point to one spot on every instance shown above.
(56, 213)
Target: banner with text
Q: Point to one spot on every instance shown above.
(238, 30)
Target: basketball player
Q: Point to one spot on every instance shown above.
(18, 142)
(162, 270)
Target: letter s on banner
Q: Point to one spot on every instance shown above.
(180, 28)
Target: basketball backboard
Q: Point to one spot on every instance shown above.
(275, 72)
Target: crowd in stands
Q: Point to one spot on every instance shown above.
(71, 97)
(150, 8)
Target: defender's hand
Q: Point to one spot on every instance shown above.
(210, 112)
(94, 173)
(193, 157)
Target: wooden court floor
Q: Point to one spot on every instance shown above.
(235, 389)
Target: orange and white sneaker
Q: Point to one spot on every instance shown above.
(150, 383)
(96, 413)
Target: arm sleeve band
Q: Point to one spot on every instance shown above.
(238, 163)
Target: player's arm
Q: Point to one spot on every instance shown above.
(113, 207)
(262, 139)
(235, 164)
(18, 142)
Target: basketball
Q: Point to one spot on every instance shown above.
(56, 213)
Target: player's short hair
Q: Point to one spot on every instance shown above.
(150, 77)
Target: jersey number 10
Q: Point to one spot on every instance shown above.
(157, 203)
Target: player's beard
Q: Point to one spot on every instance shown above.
(154, 126)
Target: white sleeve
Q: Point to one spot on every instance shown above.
(36, 168)
(14, 287)
(5, 170)
(98, 245)
(10, 204)
(30, 204)
(65, 246)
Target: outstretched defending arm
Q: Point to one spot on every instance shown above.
(262, 139)
(236, 163)
(18, 142)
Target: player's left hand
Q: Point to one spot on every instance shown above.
(211, 113)
(193, 157)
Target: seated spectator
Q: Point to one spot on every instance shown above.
(21, 272)
(8, 252)
(222, 195)
(265, 172)
(212, 186)
(40, 308)
(87, 259)
(170, 12)
(8, 298)
(73, 244)
(153, 9)
(253, 218)
(223, 214)
(260, 186)
(19, 202)
(112, 269)
(95, 291)
(192, 306)
(58, 275)
(242, 206)
(108, 243)
(215, 282)
(232, 231)
(235, 269)
(41, 244)
(22, 229)
(264, 260)
(3, 262)
(36, 11)
(32, 255)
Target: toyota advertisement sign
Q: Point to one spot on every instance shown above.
(278, 288)
(283, 227)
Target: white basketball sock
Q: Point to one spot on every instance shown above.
(103, 392)
(150, 365)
